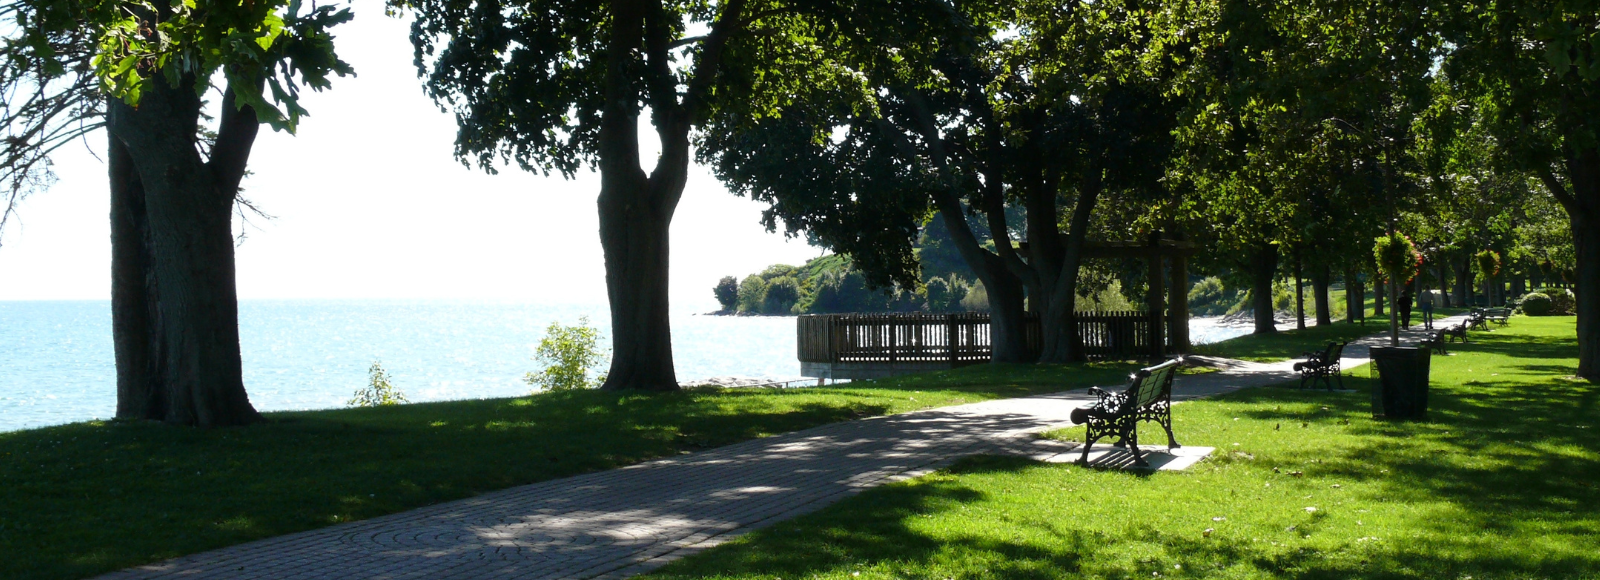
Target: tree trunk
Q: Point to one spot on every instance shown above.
(1061, 342)
(1586, 237)
(1355, 304)
(1178, 305)
(1299, 295)
(189, 206)
(135, 327)
(1008, 330)
(1444, 282)
(1263, 268)
(634, 222)
(1377, 299)
(1320, 277)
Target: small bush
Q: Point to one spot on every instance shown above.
(977, 299)
(1536, 304)
(752, 293)
(380, 391)
(1562, 301)
(567, 353)
(727, 291)
(782, 293)
(1210, 298)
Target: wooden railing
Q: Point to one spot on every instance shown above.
(953, 338)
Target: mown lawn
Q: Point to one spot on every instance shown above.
(1499, 483)
(87, 498)
(1288, 344)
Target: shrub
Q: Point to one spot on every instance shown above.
(567, 353)
(977, 299)
(776, 271)
(1536, 304)
(938, 295)
(380, 391)
(1208, 297)
(752, 293)
(727, 291)
(1562, 301)
(782, 292)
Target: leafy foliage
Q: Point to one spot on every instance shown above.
(568, 354)
(380, 390)
(1397, 258)
(727, 292)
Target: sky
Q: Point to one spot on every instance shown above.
(368, 202)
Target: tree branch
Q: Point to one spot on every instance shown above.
(236, 134)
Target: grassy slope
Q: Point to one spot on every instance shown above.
(86, 498)
(1500, 483)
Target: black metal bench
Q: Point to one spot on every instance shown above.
(1478, 318)
(1148, 398)
(1436, 341)
(1500, 316)
(1319, 366)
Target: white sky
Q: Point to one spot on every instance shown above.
(370, 203)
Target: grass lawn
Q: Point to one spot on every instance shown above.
(1287, 344)
(87, 498)
(1499, 483)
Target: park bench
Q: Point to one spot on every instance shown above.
(1148, 398)
(1457, 331)
(1500, 316)
(1435, 342)
(1319, 366)
(1478, 318)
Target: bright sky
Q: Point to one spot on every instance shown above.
(370, 203)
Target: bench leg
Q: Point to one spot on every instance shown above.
(1166, 423)
(1132, 439)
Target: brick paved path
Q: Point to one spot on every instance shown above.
(616, 523)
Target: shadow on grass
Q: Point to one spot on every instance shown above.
(1508, 452)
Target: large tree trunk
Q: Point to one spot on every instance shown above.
(1377, 297)
(189, 205)
(135, 319)
(1319, 294)
(634, 222)
(1586, 236)
(1582, 203)
(1058, 266)
(1355, 304)
(1299, 295)
(1444, 282)
(1263, 268)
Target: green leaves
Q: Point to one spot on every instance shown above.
(256, 46)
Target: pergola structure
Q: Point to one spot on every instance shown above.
(1168, 304)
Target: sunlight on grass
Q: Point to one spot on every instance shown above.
(88, 498)
(1499, 483)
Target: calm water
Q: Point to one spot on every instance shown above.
(56, 360)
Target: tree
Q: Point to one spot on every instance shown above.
(961, 121)
(173, 185)
(560, 85)
(1531, 69)
(727, 291)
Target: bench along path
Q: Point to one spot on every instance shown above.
(617, 523)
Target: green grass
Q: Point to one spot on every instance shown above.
(1499, 483)
(86, 498)
(1287, 344)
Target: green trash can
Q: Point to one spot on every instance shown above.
(1401, 391)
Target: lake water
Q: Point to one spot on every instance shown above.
(57, 364)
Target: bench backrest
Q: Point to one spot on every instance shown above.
(1335, 350)
(1150, 385)
(1499, 312)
